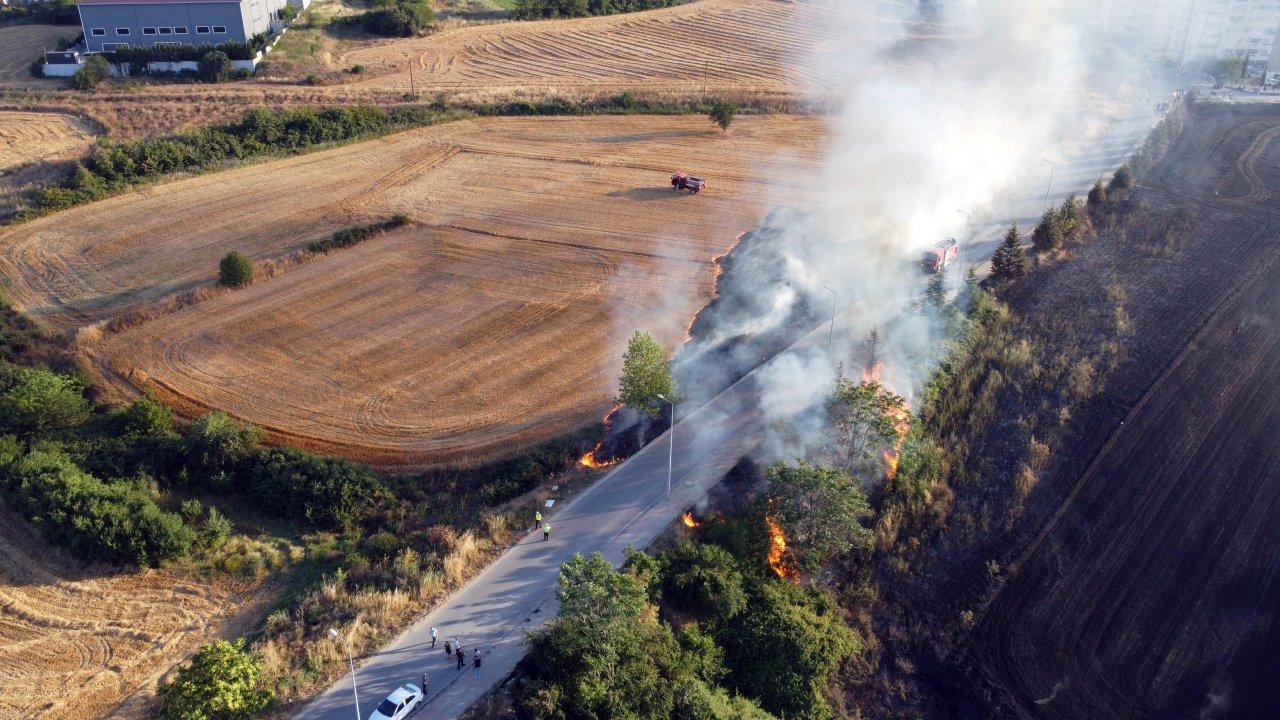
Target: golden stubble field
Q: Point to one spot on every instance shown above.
(21, 44)
(495, 321)
(709, 46)
(30, 136)
(75, 643)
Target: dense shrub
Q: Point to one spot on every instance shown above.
(110, 522)
(215, 66)
(398, 18)
(359, 233)
(217, 446)
(54, 12)
(41, 402)
(235, 270)
(543, 9)
(323, 492)
(220, 683)
(95, 70)
(137, 57)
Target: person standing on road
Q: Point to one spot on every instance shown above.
(537, 518)
(424, 686)
(433, 636)
(476, 662)
(448, 647)
(546, 532)
(462, 658)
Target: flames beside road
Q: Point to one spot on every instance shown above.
(589, 459)
(689, 521)
(899, 416)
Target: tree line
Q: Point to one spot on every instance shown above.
(547, 9)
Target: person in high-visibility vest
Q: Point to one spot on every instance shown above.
(537, 518)
(546, 532)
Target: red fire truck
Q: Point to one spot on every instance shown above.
(940, 255)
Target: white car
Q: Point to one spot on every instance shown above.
(399, 704)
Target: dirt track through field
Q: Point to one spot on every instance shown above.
(495, 321)
(74, 644)
(705, 46)
(27, 136)
(1151, 591)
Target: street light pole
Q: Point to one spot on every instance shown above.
(831, 331)
(671, 441)
(350, 661)
(964, 239)
(1048, 186)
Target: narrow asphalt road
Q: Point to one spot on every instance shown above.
(628, 506)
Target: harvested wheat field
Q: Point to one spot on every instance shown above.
(76, 644)
(27, 136)
(495, 320)
(707, 46)
(21, 44)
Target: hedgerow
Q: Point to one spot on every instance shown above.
(544, 9)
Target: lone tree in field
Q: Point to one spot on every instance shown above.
(215, 65)
(722, 113)
(235, 270)
(1009, 263)
(820, 511)
(221, 683)
(645, 375)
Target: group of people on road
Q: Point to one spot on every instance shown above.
(453, 648)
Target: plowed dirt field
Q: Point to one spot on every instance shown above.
(1152, 591)
(707, 46)
(74, 644)
(495, 321)
(26, 136)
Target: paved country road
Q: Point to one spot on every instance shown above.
(628, 506)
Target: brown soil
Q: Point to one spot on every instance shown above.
(77, 643)
(1150, 592)
(494, 322)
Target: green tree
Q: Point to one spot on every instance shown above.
(42, 401)
(722, 113)
(820, 510)
(1009, 263)
(935, 293)
(784, 647)
(1048, 233)
(1069, 216)
(215, 66)
(1122, 180)
(864, 417)
(148, 417)
(216, 445)
(95, 70)
(1098, 195)
(235, 270)
(220, 683)
(645, 375)
(704, 580)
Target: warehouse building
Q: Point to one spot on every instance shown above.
(113, 24)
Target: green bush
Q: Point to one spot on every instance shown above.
(399, 18)
(324, 492)
(95, 70)
(110, 522)
(54, 12)
(545, 9)
(217, 446)
(359, 233)
(42, 402)
(214, 66)
(235, 270)
(220, 683)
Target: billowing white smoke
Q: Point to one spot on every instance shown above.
(956, 113)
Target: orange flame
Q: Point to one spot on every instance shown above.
(778, 548)
(901, 426)
(688, 520)
(715, 285)
(589, 460)
(872, 374)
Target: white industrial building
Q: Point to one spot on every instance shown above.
(1191, 32)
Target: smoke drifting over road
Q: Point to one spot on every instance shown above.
(951, 107)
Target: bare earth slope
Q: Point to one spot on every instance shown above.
(495, 321)
(1151, 593)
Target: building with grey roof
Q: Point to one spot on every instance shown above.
(113, 24)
